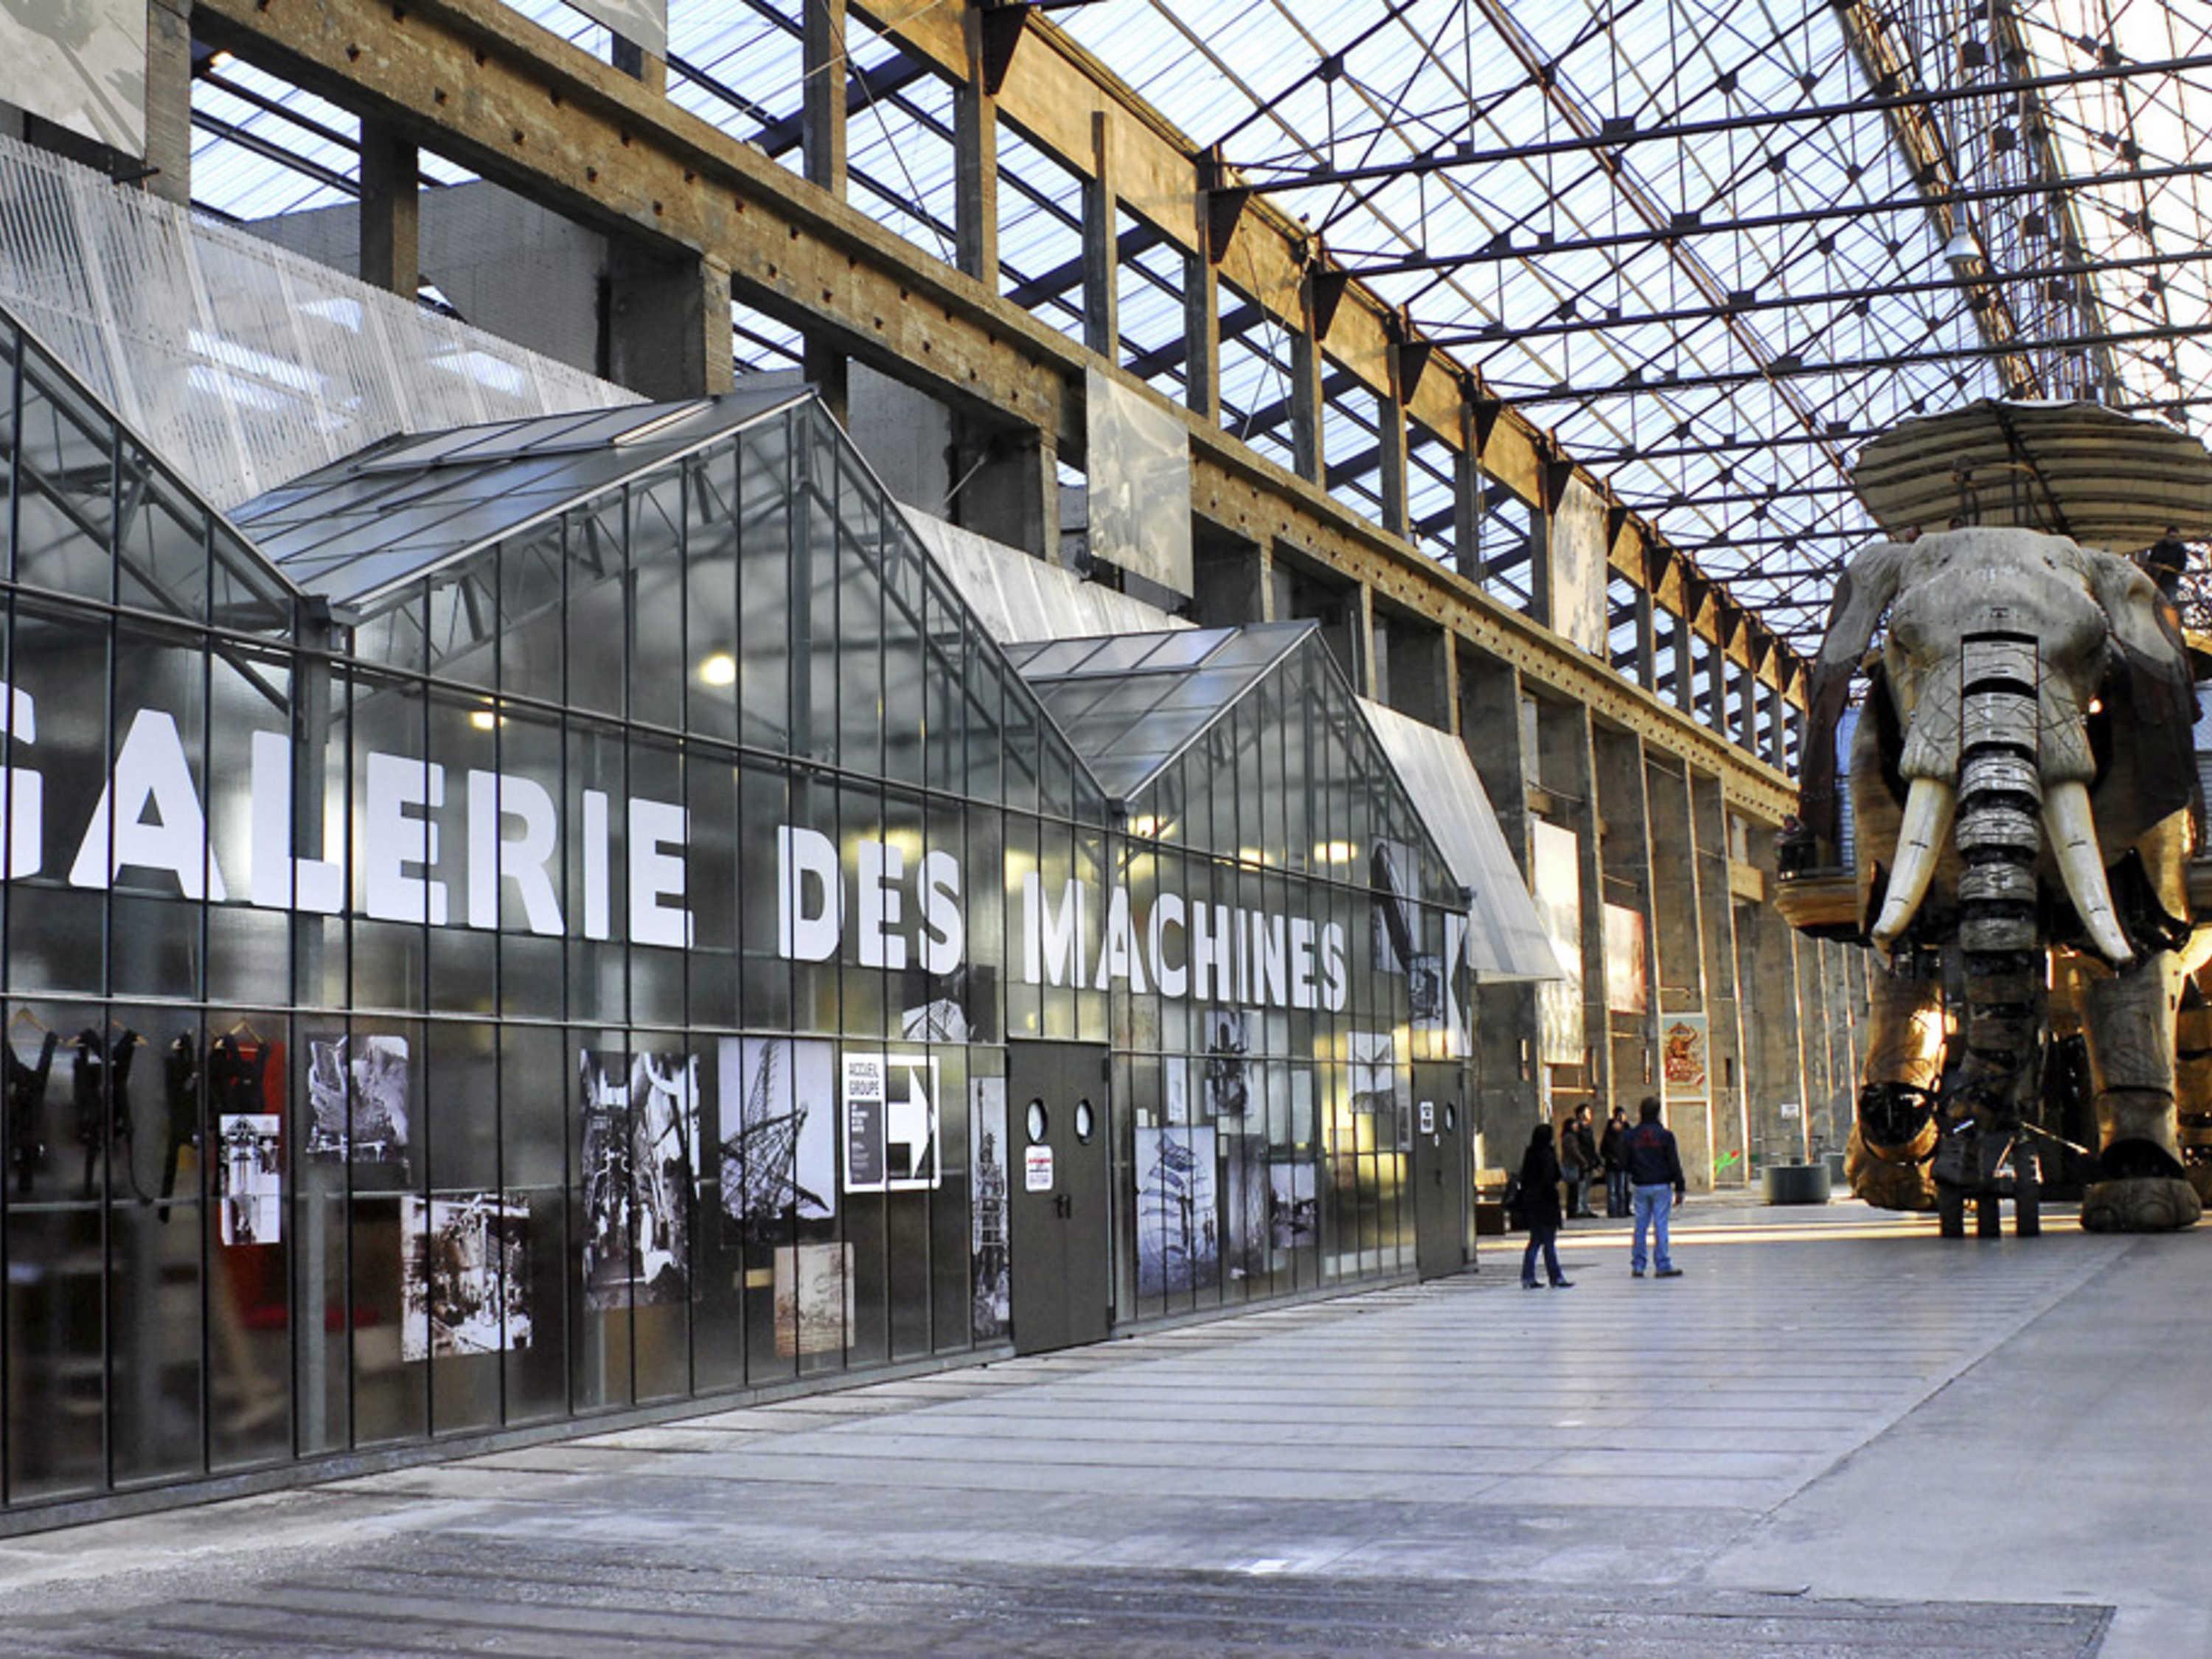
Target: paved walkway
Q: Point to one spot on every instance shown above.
(1836, 1434)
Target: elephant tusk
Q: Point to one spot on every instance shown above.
(1920, 841)
(2072, 830)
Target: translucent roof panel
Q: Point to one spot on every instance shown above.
(1131, 703)
(400, 509)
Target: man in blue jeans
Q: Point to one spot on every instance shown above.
(1653, 1163)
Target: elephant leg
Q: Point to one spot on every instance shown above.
(2141, 1186)
(2193, 1086)
(1894, 1137)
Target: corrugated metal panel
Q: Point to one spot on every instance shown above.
(1506, 939)
(243, 365)
(1021, 599)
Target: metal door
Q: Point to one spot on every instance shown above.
(1058, 1176)
(1440, 1184)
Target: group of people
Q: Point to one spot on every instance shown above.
(1642, 1170)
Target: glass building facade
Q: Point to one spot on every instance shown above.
(529, 923)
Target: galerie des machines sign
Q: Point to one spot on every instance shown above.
(892, 909)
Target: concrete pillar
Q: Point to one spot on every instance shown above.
(1678, 948)
(1450, 667)
(1717, 688)
(1392, 481)
(1201, 328)
(1232, 583)
(1468, 485)
(1012, 492)
(1746, 710)
(1647, 640)
(1767, 962)
(391, 210)
(1723, 1007)
(639, 64)
(668, 323)
(1365, 647)
(1505, 1015)
(1308, 457)
(822, 115)
(975, 164)
(830, 371)
(169, 100)
(1569, 769)
(1684, 638)
(1102, 248)
(1623, 816)
(1542, 607)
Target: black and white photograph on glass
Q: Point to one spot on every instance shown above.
(1244, 1206)
(1175, 1089)
(1373, 1071)
(253, 1178)
(1393, 918)
(357, 1098)
(1425, 988)
(988, 1248)
(1293, 1204)
(940, 1019)
(640, 1117)
(465, 1275)
(813, 1289)
(1228, 1041)
(1178, 1220)
(779, 1136)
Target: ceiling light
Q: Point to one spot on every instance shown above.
(720, 669)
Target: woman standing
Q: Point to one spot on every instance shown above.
(1540, 1209)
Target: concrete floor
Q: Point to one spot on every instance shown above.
(1836, 1434)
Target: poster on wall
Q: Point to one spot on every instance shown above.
(1627, 989)
(1394, 922)
(640, 1123)
(1425, 988)
(987, 1249)
(643, 23)
(937, 1019)
(1683, 1063)
(1178, 1225)
(253, 1178)
(1228, 1076)
(465, 1276)
(1579, 573)
(1374, 1071)
(778, 1134)
(1555, 883)
(813, 1288)
(1175, 1088)
(890, 1123)
(357, 1100)
(1293, 1205)
(1244, 1170)
(1138, 469)
(81, 65)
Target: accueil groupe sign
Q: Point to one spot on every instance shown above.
(895, 911)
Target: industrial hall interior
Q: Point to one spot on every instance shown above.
(823, 822)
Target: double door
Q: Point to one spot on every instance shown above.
(1059, 1173)
(1440, 1189)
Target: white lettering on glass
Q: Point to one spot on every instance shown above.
(495, 797)
(656, 874)
(150, 770)
(393, 841)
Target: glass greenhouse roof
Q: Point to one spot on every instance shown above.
(1131, 703)
(400, 509)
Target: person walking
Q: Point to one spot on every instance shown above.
(1540, 1209)
(1581, 1137)
(1654, 1166)
(1616, 1172)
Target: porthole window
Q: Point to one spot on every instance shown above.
(1084, 1121)
(1037, 1122)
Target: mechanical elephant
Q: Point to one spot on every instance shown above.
(2021, 783)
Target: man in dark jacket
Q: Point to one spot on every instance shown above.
(1616, 1174)
(1653, 1163)
(1584, 1170)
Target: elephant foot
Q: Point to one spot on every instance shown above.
(1888, 1177)
(2140, 1204)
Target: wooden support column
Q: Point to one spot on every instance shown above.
(169, 100)
(1101, 249)
(390, 211)
(976, 163)
(822, 114)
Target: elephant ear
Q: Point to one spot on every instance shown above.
(2153, 746)
(1863, 594)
